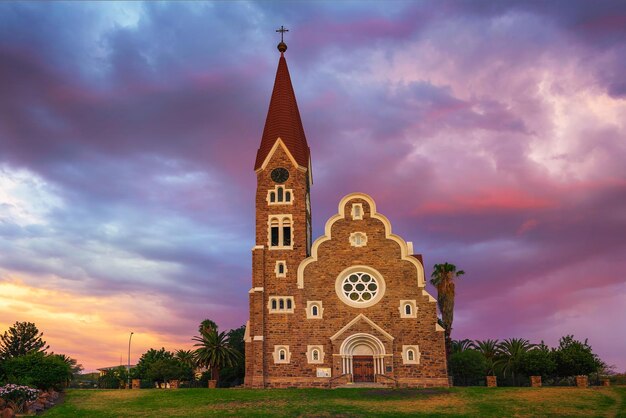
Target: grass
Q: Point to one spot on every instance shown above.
(475, 401)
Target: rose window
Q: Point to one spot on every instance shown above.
(360, 287)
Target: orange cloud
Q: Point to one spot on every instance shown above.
(92, 329)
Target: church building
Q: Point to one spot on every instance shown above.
(350, 307)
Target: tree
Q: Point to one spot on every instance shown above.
(443, 279)
(574, 357)
(457, 346)
(146, 360)
(538, 362)
(22, 338)
(214, 351)
(490, 350)
(467, 367)
(166, 369)
(512, 351)
(73, 363)
(114, 378)
(186, 357)
(234, 376)
(39, 370)
(207, 324)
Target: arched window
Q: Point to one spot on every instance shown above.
(281, 268)
(272, 197)
(280, 194)
(273, 304)
(315, 310)
(274, 232)
(281, 304)
(288, 304)
(315, 355)
(282, 355)
(410, 355)
(287, 196)
(280, 231)
(407, 309)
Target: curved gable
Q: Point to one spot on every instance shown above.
(405, 250)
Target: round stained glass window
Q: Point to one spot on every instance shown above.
(360, 287)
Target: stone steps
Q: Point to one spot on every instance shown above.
(361, 385)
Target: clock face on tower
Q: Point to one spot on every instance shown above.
(280, 175)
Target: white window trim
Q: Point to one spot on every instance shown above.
(284, 273)
(309, 309)
(281, 221)
(275, 190)
(413, 309)
(353, 239)
(416, 350)
(276, 355)
(278, 310)
(309, 354)
(353, 212)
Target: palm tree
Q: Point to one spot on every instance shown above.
(443, 279)
(186, 357)
(511, 352)
(490, 349)
(215, 351)
(458, 346)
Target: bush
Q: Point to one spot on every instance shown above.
(467, 367)
(538, 363)
(38, 370)
(574, 358)
(164, 370)
(18, 395)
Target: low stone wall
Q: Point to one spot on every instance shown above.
(582, 381)
(606, 382)
(492, 381)
(535, 381)
(136, 384)
(442, 382)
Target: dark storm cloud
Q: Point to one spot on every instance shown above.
(140, 123)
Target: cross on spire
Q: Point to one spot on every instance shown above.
(282, 31)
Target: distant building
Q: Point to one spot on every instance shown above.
(105, 370)
(351, 307)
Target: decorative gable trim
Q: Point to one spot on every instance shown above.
(279, 142)
(405, 252)
(367, 320)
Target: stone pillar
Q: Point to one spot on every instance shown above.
(491, 382)
(136, 384)
(212, 384)
(174, 384)
(535, 381)
(606, 382)
(450, 381)
(582, 381)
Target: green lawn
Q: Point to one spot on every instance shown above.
(496, 402)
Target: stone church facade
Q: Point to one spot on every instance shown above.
(350, 307)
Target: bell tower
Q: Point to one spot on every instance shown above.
(283, 219)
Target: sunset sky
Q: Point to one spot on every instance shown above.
(491, 133)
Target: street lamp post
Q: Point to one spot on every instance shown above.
(128, 370)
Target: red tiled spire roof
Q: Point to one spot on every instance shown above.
(283, 120)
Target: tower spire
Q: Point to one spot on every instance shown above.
(283, 117)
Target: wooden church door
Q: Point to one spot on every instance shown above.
(363, 368)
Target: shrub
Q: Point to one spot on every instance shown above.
(538, 363)
(39, 370)
(574, 358)
(18, 395)
(467, 367)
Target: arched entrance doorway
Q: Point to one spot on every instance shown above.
(362, 356)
